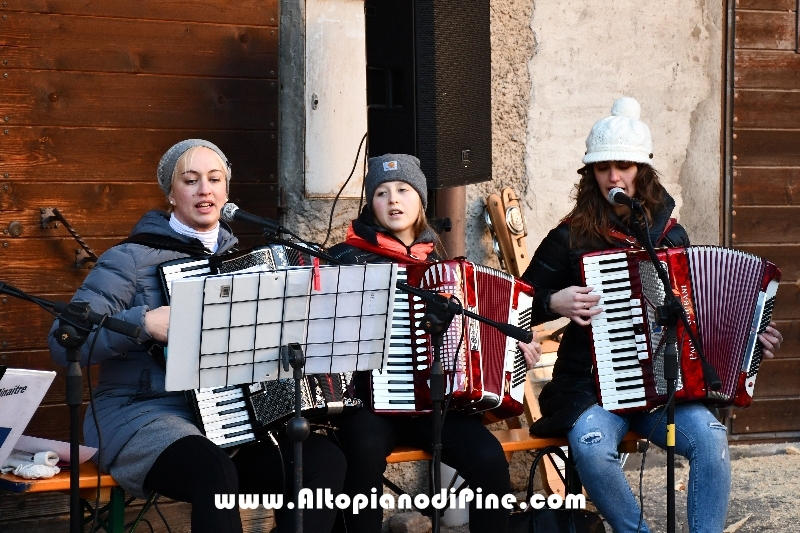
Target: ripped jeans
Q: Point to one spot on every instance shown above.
(699, 437)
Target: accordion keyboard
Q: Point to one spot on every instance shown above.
(520, 366)
(618, 333)
(224, 416)
(393, 388)
(170, 273)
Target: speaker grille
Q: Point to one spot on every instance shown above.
(444, 62)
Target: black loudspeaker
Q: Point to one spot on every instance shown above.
(429, 86)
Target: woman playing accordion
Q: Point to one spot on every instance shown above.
(618, 154)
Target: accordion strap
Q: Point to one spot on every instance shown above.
(632, 241)
(164, 242)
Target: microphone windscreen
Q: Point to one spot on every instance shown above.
(613, 193)
(227, 211)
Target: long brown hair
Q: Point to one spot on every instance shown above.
(591, 218)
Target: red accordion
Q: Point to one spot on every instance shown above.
(728, 296)
(484, 370)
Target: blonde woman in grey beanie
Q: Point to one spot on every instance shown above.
(619, 153)
(147, 438)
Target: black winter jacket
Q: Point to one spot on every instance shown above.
(349, 254)
(365, 228)
(556, 266)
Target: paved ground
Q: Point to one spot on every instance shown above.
(764, 496)
(764, 492)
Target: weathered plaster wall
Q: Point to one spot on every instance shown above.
(666, 55)
(512, 48)
(557, 66)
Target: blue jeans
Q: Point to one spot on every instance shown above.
(699, 437)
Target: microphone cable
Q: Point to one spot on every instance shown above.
(644, 456)
(341, 189)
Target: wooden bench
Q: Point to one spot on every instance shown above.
(111, 516)
(512, 440)
(516, 439)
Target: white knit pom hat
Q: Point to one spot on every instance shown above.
(620, 137)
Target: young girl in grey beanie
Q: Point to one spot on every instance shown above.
(392, 227)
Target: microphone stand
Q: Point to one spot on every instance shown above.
(439, 313)
(297, 428)
(76, 321)
(667, 315)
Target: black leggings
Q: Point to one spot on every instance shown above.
(194, 469)
(367, 439)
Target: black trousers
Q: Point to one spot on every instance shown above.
(194, 469)
(367, 439)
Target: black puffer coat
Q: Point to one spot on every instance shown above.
(556, 266)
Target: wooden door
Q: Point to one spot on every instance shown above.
(763, 209)
(91, 95)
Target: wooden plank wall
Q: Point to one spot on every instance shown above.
(91, 95)
(766, 191)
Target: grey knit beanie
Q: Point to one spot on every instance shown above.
(620, 137)
(395, 167)
(166, 167)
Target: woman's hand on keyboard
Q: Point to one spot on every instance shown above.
(532, 352)
(576, 304)
(771, 341)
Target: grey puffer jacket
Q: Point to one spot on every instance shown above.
(125, 284)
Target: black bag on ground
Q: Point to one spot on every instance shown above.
(562, 520)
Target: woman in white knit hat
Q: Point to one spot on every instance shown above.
(619, 153)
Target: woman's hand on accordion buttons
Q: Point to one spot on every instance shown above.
(532, 352)
(770, 340)
(576, 303)
(156, 323)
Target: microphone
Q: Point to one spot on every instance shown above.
(617, 196)
(231, 212)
